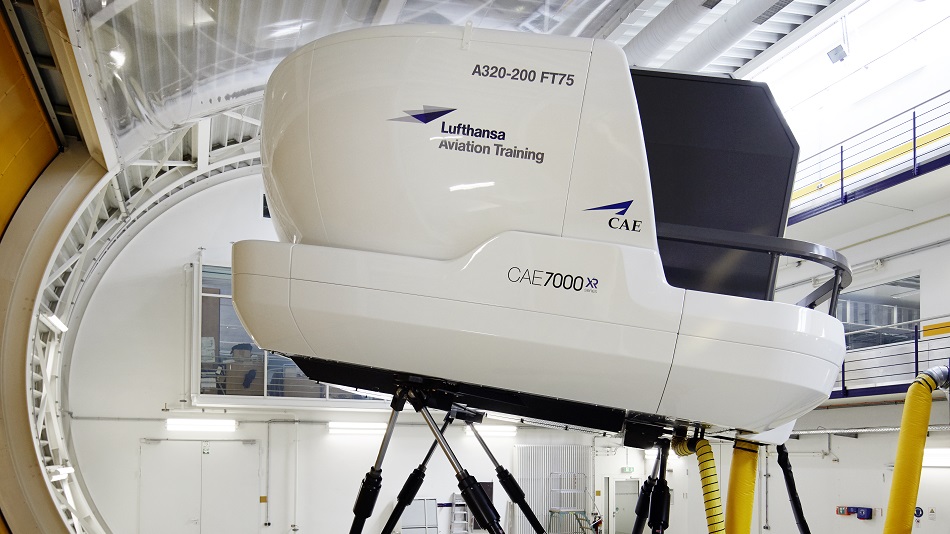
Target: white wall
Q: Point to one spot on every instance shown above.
(861, 476)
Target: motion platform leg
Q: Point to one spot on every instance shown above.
(473, 493)
(660, 500)
(373, 481)
(642, 509)
(413, 483)
(507, 481)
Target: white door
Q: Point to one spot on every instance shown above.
(199, 487)
(170, 487)
(625, 503)
(230, 482)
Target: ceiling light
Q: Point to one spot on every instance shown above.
(837, 54)
(58, 472)
(118, 57)
(352, 428)
(905, 294)
(493, 431)
(53, 322)
(201, 425)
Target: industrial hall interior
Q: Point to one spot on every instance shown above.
(460, 266)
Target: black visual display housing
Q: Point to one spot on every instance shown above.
(721, 156)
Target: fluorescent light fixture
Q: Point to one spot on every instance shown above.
(936, 458)
(118, 57)
(53, 322)
(494, 431)
(353, 429)
(201, 425)
(905, 294)
(58, 472)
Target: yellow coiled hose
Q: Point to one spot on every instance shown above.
(910, 455)
(741, 497)
(715, 521)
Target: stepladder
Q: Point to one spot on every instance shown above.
(561, 521)
(461, 520)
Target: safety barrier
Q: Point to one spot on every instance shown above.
(907, 145)
(891, 367)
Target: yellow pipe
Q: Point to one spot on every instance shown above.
(741, 497)
(715, 521)
(910, 455)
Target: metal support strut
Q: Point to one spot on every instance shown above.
(373, 481)
(413, 483)
(507, 481)
(653, 505)
(473, 493)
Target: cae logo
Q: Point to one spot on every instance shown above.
(619, 223)
(425, 115)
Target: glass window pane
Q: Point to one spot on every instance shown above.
(216, 280)
(285, 379)
(894, 305)
(231, 364)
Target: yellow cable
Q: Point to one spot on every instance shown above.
(741, 497)
(910, 456)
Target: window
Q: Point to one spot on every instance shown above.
(232, 365)
(894, 306)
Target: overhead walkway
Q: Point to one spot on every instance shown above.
(889, 357)
(907, 145)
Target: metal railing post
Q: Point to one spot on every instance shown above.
(913, 130)
(841, 173)
(844, 388)
(916, 349)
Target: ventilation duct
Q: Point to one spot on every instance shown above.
(664, 29)
(723, 34)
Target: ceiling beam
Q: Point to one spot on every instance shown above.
(627, 14)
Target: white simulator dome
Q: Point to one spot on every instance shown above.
(472, 210)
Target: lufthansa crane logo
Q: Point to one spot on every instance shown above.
(621, 222)
(425, 115)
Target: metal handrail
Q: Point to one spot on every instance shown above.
(916, 145)
(896, 115)
(892, 325)
(888, 361)
(780, 246)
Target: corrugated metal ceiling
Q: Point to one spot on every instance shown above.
(163, 64)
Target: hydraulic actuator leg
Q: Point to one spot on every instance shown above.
(413, 483)
(373, 481)
(660, 500)
(653, 505)
(642, 509)
(473, 493)
(507, 481)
